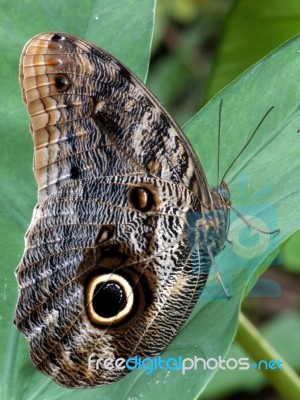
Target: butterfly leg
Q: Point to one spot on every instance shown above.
(215, 266)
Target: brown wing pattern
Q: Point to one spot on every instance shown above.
(85, 106)
(116, 254)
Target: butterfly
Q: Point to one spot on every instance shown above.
(126, 226)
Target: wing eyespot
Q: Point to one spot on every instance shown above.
(62, 83)
(106, 233)
(57, 38)
(141, 198)
(109, 299)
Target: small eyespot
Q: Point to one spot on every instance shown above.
(106, 232)
(58, 38)
(109, 299)
(74, 172)
(141, 198)
(62, 83)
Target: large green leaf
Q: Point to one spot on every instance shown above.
(108, 23)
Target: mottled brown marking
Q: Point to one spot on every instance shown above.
(120, 192)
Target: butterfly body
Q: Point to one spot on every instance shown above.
(117, 251)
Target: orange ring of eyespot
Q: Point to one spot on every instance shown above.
(126, 287)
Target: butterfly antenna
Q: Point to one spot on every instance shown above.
(248, 141)
(252, 226)
(219, 139)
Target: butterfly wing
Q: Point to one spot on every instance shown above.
(107, 271)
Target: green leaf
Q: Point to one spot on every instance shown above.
(290, 254)
(252, 30)
(227, 382)
(109, 23)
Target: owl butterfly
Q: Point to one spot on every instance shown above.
(126, 227)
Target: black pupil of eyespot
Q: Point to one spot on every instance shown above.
(61, 82)
(108, 299)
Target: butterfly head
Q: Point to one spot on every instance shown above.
(223, 191)
(221, 196)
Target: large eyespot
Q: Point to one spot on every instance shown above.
(109, 299)
(62, 83)
(141, 198)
